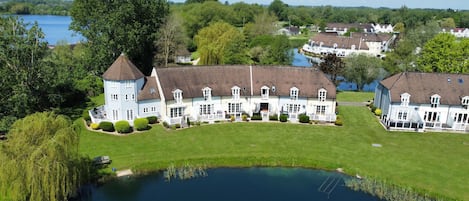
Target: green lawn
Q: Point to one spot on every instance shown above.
(437, 163)
(351, 96)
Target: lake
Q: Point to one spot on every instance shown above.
(233, 184)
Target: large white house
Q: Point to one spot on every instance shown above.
(421, 101)
(211, 93)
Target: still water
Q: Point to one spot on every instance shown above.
(233, 184)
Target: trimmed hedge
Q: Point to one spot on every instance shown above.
(141, 124)
(283, 117)
(152, 119)
(273, 117)
(106, 126)
(94, 126)
(338, 121)
(304, 118)
(122, 126)
(256, 117)
(378, 112)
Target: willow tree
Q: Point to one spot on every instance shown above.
(213, 42)
(40, 161)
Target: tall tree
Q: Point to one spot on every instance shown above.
(362, 69)
(444, 54)
(333, 66)
(113, 27)
(171, 37)
(40, 160)
(212, 42)
(264, 24)
(279, 9)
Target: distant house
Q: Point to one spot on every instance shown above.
(289, 31)
(423, 101)
(183, 56)
(342, 28)
(458, 32)
(211, 93)
(331, 43)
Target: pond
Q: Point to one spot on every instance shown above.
(233, 184)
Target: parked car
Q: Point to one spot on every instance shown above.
(102, 160)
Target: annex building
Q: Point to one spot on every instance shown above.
(213, 93)
(422, 101)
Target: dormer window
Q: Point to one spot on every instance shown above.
(465, 102)
(265, 92)
(405, 99)
(235, 91)
(322, 94)
(435, 101)
(177, 94)
(294, 93)
(207, 92)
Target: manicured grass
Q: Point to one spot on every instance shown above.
(436, 163)
(351, 96)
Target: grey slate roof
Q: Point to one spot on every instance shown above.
(421, 86)
(122, 69)
(191, 80)
(150, 90)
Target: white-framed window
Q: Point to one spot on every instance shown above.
(206, 109)
(207, 93)
(432, 116)
(176, 112)
(435, 101)
(132, 97)
(153, 109)
(235, 92)
(145, 110)
(177, 94)
(114, 97)
(461, 118)
(113, 84)
(128, 84)
(293, 108)
(115, 115)
(405, 99)
(265, 92)
(402, 115)
(130, 115)
(322, 94)
(294, 93)
(321, 109)
(465, 102)
(234, 108)
(126, 97)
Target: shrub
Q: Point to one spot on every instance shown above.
(141, 124)
(106, 126)
(283, 118)
(273, 117)
(152, 119)
(256, 117)
(378, 112)
(338, 121)
(94, 126)
(232, 118)
(122, 126)
(373, 108)
(304, 118)
(86, 115)
(197, 123)
(244, 117)
(165, 124)
(178, 125)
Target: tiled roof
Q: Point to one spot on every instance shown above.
(150, 90)
(122, 69)
(191, 80)
(421, 86)
(328, 40)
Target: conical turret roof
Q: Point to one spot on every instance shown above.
(122, 69)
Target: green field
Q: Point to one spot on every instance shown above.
(436, 163)
(350, 96)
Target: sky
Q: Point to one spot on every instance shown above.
(439, 4)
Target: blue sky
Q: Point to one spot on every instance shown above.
(440, 4)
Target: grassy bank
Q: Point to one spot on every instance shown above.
(432, 162)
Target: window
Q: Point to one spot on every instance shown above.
(461, 117)
(402, 115)
(293, 108)
(130, 114)
(145, 110)
(177, 96)
(133, 97)
(114, 97)
(322, 94)
(294, 93)
(265, 92)
(176, 112)
(206, 109)
(207, 93)
(115, 115)
(235, 92)
(113, 84)
(153, 109)
(234, 108)
(432, 116)
(321, 109)
(405, 99)
(435, 101)
(128, 84)
(465, 102)
(126, 97)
